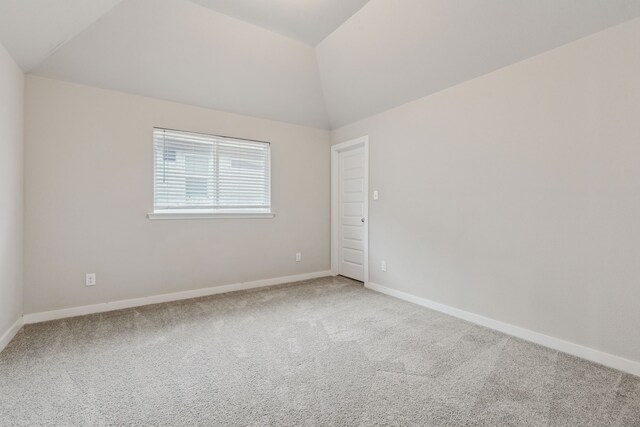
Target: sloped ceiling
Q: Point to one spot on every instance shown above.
(181, 51)
(256, 57)
(393, 52)
(32, 29)
(308, 21)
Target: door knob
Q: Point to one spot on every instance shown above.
(362, 220)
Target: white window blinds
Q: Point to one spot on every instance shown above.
(204, 173)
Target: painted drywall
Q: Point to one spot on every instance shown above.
(309, 21)
(516, 196)
(393, 52)
(32, 30)
(11, 195)
(181, 51)
(88, 188)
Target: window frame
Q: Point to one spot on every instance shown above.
(199, 213)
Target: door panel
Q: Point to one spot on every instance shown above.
(352, 256)
(352, 233)
(351, 210)
(353, 185)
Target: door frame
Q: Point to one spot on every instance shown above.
(336, 149)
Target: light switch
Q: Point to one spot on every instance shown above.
(375, 195)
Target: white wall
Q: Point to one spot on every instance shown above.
(88, 183)
(516, 195)
(11, 168)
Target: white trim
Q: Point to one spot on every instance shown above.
(335, 183)
(209, 215)
(157, 299)
(573, 349)
(6, 338)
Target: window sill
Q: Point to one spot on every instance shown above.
(210, 215)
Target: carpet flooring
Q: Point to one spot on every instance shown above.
(324, 352)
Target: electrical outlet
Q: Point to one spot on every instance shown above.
(383, 266)
(298, 257)
(90, 279)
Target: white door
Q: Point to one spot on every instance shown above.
(351, 233)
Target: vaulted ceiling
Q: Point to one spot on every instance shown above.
(322, 63)
(33, 30)
(308, 21)
(181, 51)
(396, 51)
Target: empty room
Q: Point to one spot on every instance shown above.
(320, 213)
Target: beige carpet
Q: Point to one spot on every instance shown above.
(318, 353)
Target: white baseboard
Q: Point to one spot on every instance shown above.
(157, 299)
(577, 350)
(6, 338)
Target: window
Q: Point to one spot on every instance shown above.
(197, 175)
